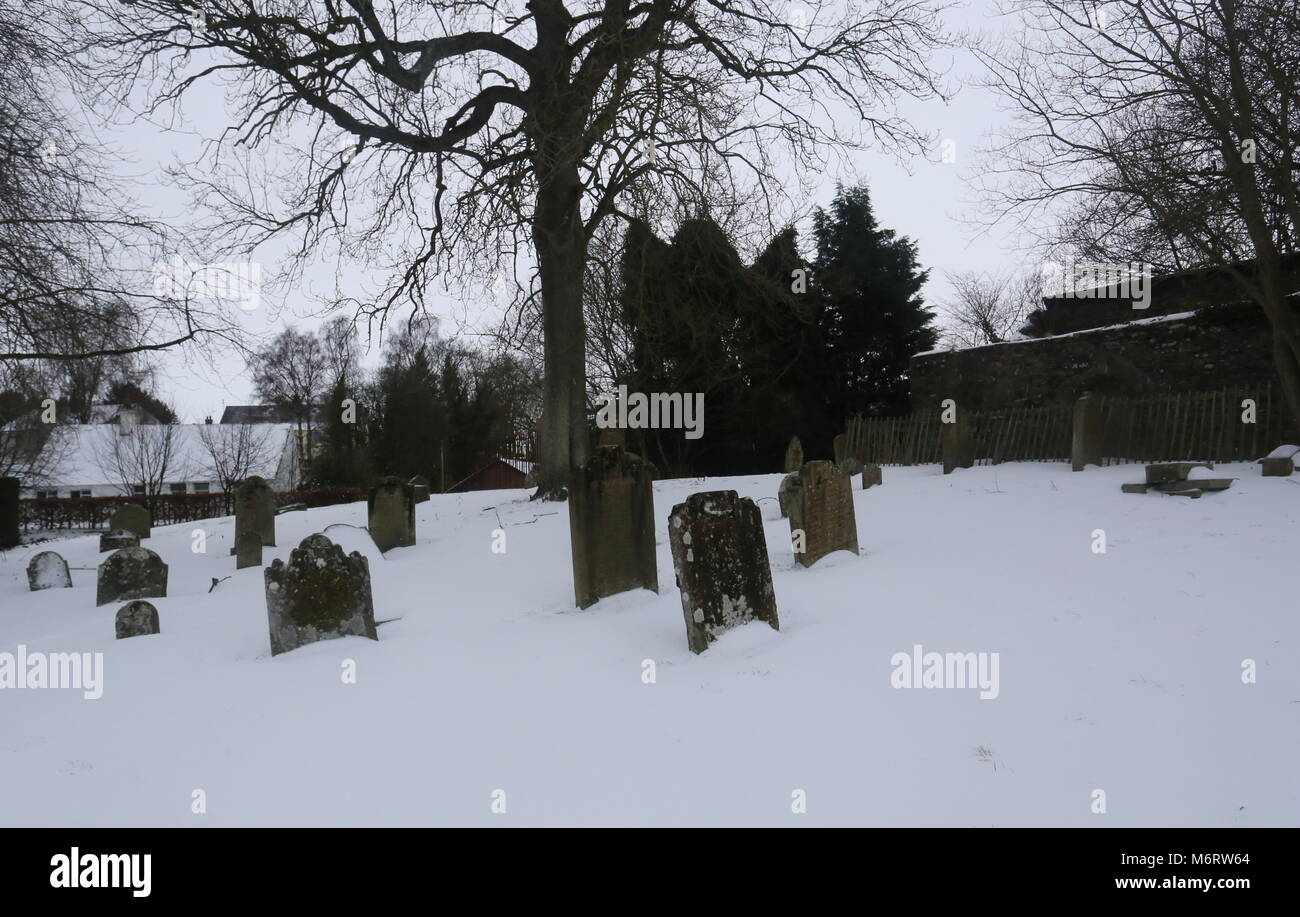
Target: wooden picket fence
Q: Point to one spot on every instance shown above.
(1183, 426)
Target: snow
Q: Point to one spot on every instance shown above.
(1284, 452)
(1025, 339)
(1119, 671)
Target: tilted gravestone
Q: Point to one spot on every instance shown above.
(137, 619)
(421, 485)
(958, 443)
(720, 558)
(319, 594)
(112, 540)
(871, 476)
(611, 526)
(254, 512)
(785, 492)
(821, 513)
(48, 570)
(130, 517)
(248, 550)
(391, 506)
(9, 513)
(793, 456)
(131, 573)
(1088, 434)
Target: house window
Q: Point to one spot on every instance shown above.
(177, 488)
(46, 494)
(80, 494)
(200, 487)
(138, 490)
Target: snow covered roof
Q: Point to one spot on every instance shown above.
(1155, 319)
(519, 465)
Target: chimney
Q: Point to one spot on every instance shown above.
(208, 419)
(125, 423)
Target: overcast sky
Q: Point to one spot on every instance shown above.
(924, 199)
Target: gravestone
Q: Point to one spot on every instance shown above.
(391, 506)
(958, 443)
(1171, 472)
(840, 447)
(421, 485)
(1279, 467)
(131, 573)
(9, 513)
(611, 526)
(720, 558)
(821, 506)
(248, 550)
(130, 517)
(48, 570)
(786, 492)
(1088, 434)
(254, 512)
(871, 476)
(112, 540)
(320, 594)
(136, 619)
(852, 466)
(793, 456)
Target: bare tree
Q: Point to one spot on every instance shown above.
(482, 127)
(1168, 130)
(238, 451)
(139, 458)
(292, 371)
(989, 307)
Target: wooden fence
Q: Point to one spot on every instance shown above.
(1184, 426)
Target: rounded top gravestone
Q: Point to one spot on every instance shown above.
(130, 517)
(48, 570)
(136, 619)
(131, 573)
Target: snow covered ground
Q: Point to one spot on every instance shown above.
(1118, 671)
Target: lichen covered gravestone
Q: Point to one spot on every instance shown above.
(112, 540)
(720, 558)
(320, 594)
(248, 550)
(131, 573)
(821, 513)
(611, 526)
(130, 517)
(48, 570)
(255, 512)
(136, 619)
(9, 517)
(391, 513)
(793, 456)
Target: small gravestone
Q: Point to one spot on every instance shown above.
(391, 506)
(611, 526)
(319, 594)
(851, 466)
(958, 443)
(1277, 467)
(821, 508)
(871, 476)
(111, 541)
(130, 517)
(248, 550)
(131, 573)
(136, 619)
(421, 485)
(9, 513)
(793, 456)
(720, 558)
(785, 493)
(254, 512)
(48, 570)
(1088, 432)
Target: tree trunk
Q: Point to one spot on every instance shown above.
(560, 243)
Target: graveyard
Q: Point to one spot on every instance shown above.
(1122, 627)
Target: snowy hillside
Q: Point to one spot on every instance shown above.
(1119, 671)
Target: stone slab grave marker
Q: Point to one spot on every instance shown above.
(112, 540)
(254, 512)
(1173, 478)
(1087, 436)
(130, 517)
(871, 476)
(793, 456)
(320, 594)
(611, 526)
(391, 506)
(821, 507)
(958, 443)
(131, 573)
(421, 485)
(720, 558)
(136, 619)
(248, 550)
(1280, 463)
(48, 570)
(785, 493)
(9, 512)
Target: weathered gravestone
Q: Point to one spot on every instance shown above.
(391, 505)
(851, 466)
(48, 570)
(611, 526)
(1088, 434)
(793, 456)
(9, 517)
(112, 540)
(1280, 463)
(137, 619)
(958, 443)
(421, 488)
(785, 493)
(821, 513)
(248, 550)
(131, 573)
(319, 594)
(720, 558)
(130, 517)
(254, 512)
(871, 476)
